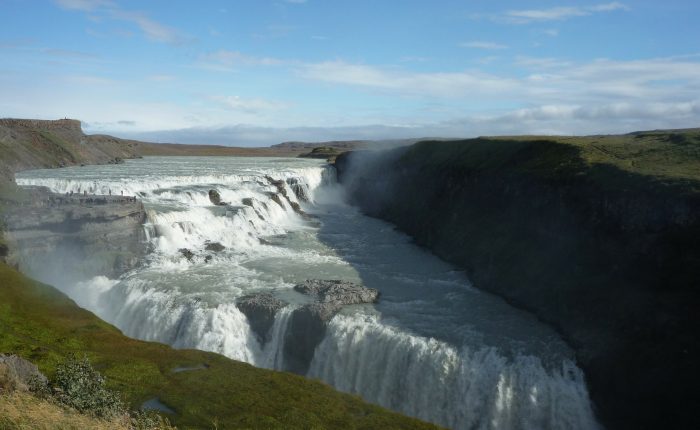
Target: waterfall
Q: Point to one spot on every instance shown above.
(187, 299)
(456, 388)
(272, 356)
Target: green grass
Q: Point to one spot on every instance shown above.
(661, 155)
(43, 325)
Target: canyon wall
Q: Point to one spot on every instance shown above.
(598, 237)
(61, 239)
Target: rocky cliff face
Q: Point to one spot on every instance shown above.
(62, 239)
(36, 144)
(608, 256)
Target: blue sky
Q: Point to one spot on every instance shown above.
(260, 72)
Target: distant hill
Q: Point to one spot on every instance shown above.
(39, 144)
(349, 145)
(34, 144)
(176, 149)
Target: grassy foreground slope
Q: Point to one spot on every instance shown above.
(44, 326)
(598, 236)
(25, 411)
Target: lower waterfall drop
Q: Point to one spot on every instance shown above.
(460, 389)
(272, 356)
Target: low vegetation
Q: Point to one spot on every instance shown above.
(26, 411)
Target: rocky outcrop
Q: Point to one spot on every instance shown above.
(188, 254)
(323, 152)
(609, 257)
(260, 309)
(214, 247)
(299, 189)
(58, 238)
(215, 198)
(35, 144)
(338, 292)
(308, 323)
(18, 374)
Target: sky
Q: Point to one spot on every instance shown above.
(260, 72)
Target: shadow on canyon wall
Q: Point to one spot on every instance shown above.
(608, 256)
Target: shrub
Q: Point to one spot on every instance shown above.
(78, 385)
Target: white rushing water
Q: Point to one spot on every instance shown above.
(433, 347)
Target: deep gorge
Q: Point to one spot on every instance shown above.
(608, 257)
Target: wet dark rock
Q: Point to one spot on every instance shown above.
(247, 201)
(306, 330)
(297, 208)
(215, 197)
(260, 309)
(276, 198)
(18, 374)
(208, 259)
(338, 292)
(279, 184)
(189, 255)
(214, 246)
(299, 189)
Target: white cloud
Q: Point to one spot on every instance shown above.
(85, 5)
(547, 81)
(439, 84)
(483, 45)
(248, 105)
(150, 28)
(235, 58)
(558, 13)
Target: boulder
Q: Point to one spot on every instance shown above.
(247, 201)
(338, 292)
(189, 255)
(214, 246)
(18, 374)
(215, 197)
(260, 309)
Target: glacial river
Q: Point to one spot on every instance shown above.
(433, 347)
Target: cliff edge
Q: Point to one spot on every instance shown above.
(597, 236)
(37, 144)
